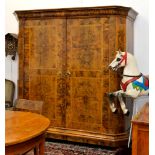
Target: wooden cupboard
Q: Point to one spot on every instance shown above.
(63, 60)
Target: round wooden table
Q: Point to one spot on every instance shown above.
(24, 131)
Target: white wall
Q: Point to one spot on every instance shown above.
(141, 26)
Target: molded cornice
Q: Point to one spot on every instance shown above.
(77, 12)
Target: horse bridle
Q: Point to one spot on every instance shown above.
(124, 58)
(133, 75)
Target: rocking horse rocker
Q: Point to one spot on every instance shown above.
(133, 83)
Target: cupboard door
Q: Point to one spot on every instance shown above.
(44, 51)
(85, 83)
(89, 49)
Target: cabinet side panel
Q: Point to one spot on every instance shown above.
(129, 36)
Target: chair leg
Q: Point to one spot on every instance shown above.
(36, 150)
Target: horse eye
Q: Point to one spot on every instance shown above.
(118, 59)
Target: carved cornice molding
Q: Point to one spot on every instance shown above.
(78, 12)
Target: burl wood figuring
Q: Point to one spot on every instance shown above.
(63, 60)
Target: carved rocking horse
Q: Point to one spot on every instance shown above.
(133, 83)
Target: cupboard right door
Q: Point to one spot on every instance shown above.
(90, 42)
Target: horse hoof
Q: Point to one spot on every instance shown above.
(115, 111)
(127, 113)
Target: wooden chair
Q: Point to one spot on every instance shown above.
(32, 106)
(29, 105)
(9, 93)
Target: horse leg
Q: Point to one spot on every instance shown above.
(120, 94)
(112, 105)
(122, 104)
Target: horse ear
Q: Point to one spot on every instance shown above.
(118, 52)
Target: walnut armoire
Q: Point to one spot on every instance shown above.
(63, 60)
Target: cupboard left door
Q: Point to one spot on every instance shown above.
(42, 63)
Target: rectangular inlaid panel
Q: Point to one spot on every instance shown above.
(44, 42)
(86, 104)
(84, 46)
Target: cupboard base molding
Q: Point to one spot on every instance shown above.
(112, 140)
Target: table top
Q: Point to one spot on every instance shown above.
(22, 126)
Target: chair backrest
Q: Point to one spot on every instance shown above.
(9, 93)
(29, 105)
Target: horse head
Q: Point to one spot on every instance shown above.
(119, 61)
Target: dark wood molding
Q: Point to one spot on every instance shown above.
(88, 137)
(81, 12)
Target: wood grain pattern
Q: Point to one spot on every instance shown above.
(24, 131)
(22, 126)
(64, 57)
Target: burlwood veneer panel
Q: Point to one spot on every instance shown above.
(43, 53)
